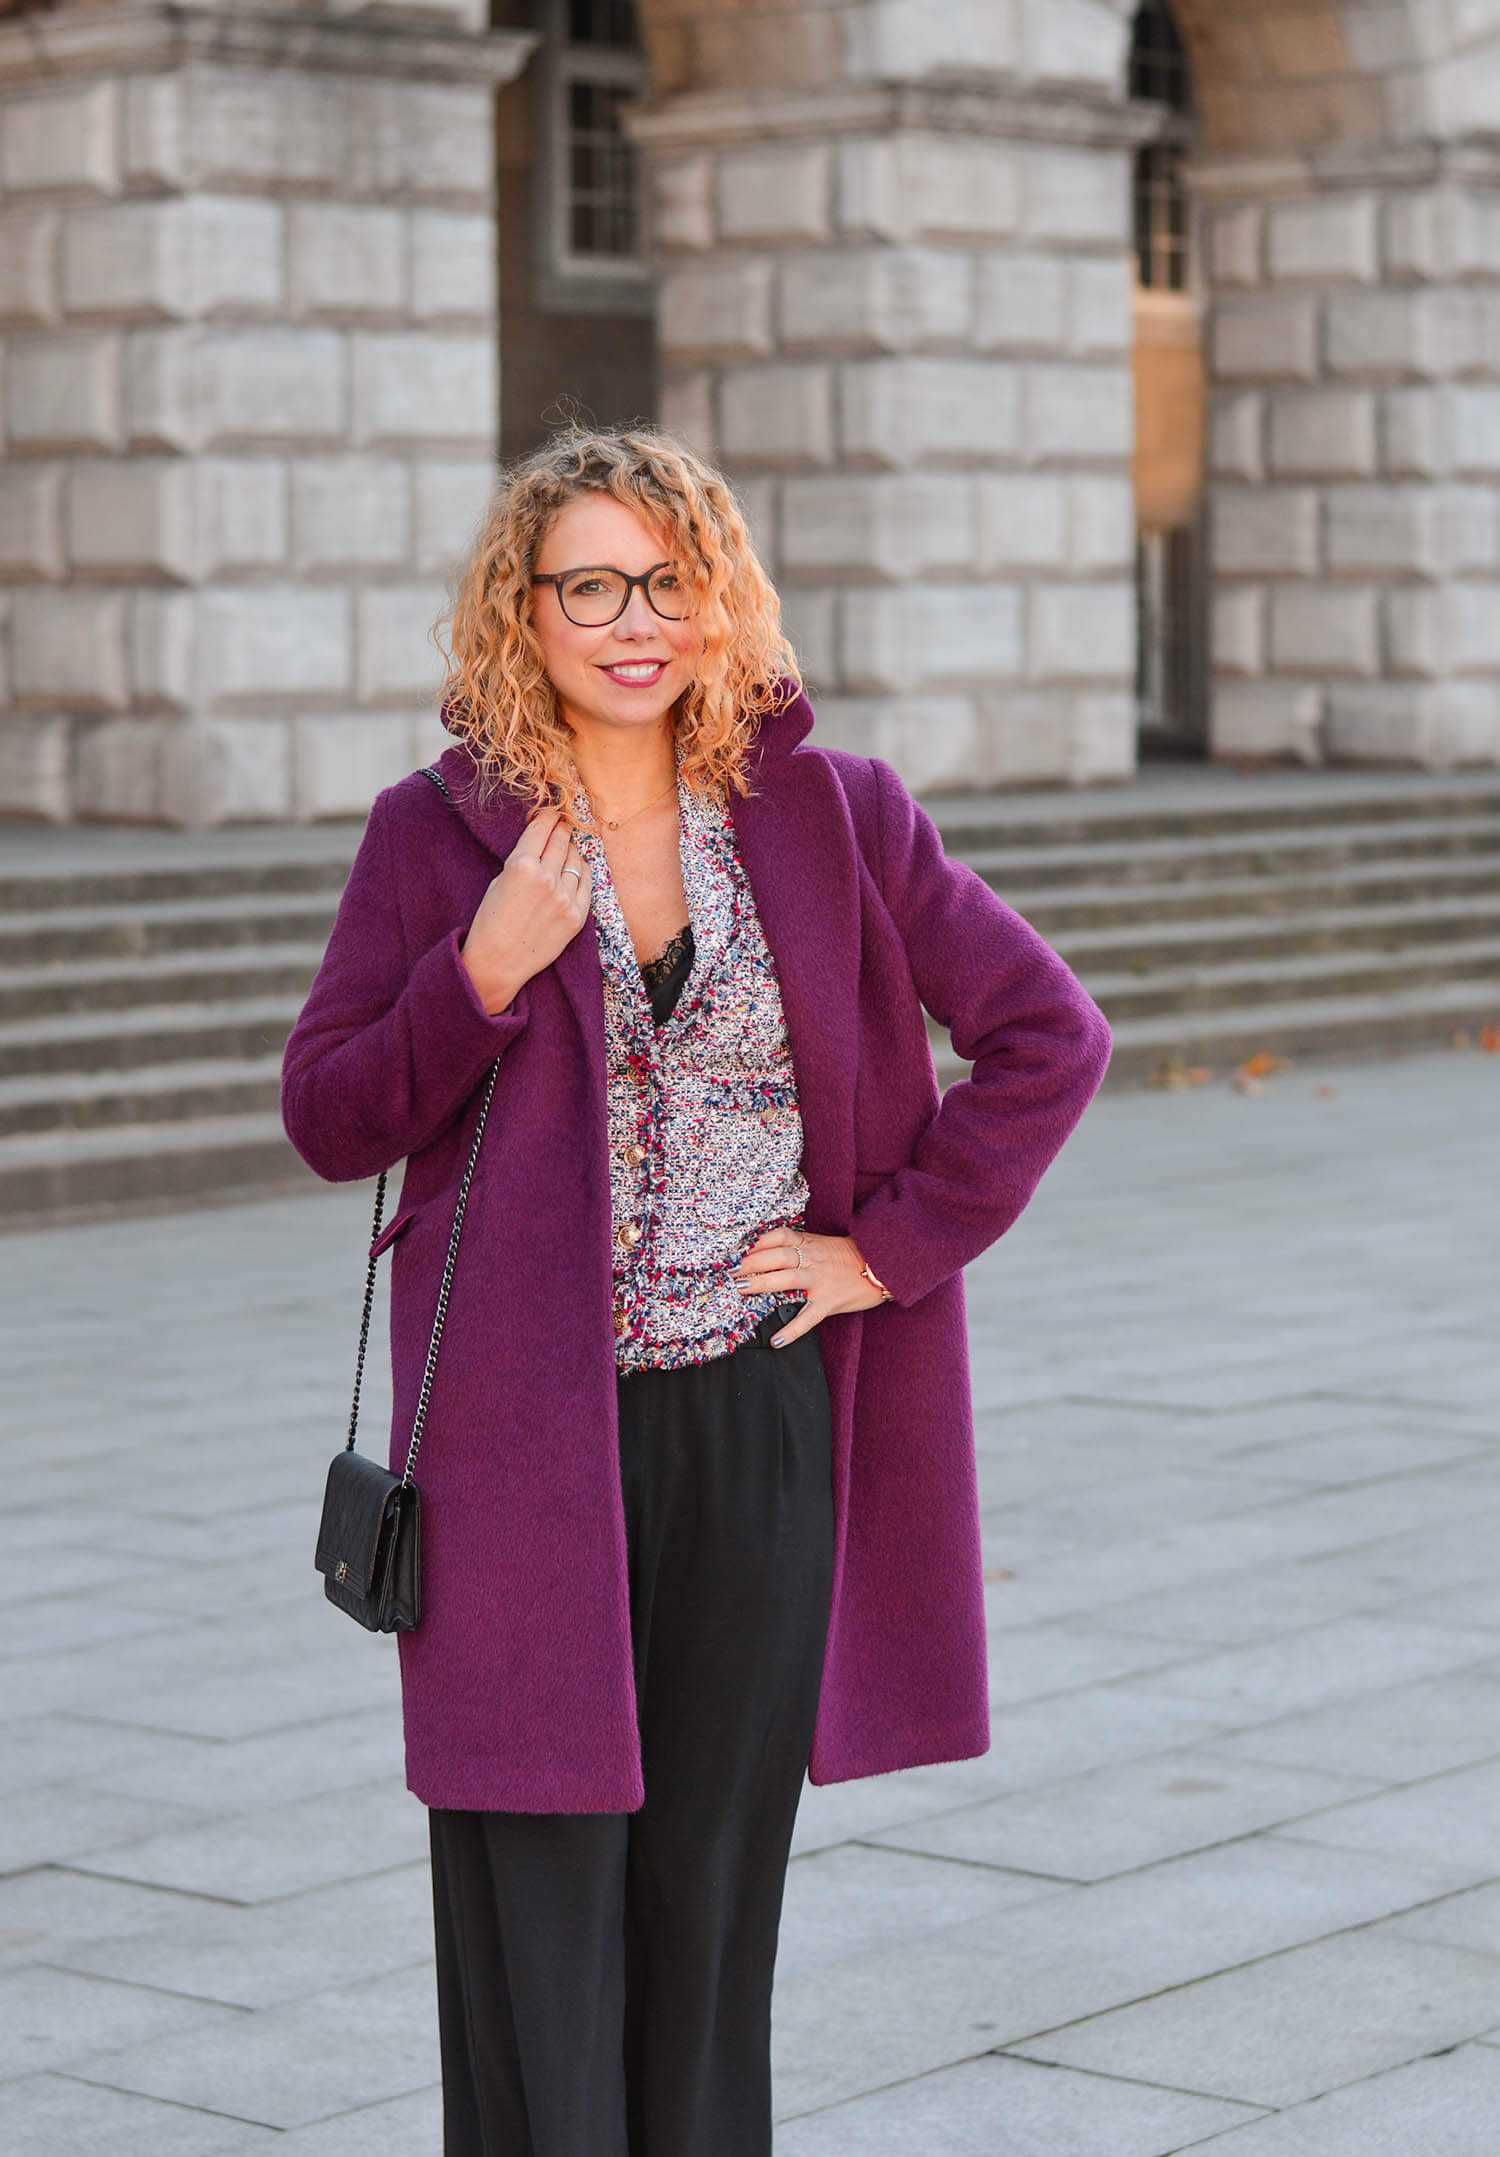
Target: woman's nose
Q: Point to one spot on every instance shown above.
(639, 618)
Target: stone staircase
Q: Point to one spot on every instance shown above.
(147, 984)
(1217, 917)
(148, 980)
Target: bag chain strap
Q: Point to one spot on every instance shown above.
(443, 1293)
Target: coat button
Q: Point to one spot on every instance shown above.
(635, 1155)
(621, 1322)
(629, 1235)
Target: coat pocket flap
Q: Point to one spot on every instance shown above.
(392, 1230)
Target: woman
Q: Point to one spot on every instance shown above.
(698, 1489)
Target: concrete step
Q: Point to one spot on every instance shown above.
(1341, 1026)
(1282, 852)
(1252, 984)
(60, 1174)
(149, 928)
(79, 1041)
(153, 1094)
(1090, 905)
(1200, 800)
(171, 977)
(1142, 947)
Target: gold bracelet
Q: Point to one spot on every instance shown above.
(867, 1274)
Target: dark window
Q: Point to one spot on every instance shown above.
(602, 186)
(1158, 59)
(603, 22)
(1159, 73)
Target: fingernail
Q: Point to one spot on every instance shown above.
(777, 1339)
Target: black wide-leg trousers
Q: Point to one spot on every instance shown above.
(604, 1979)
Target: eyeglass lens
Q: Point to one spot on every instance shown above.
(592, 597)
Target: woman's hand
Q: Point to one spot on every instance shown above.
(829, 1275)
(532, 909)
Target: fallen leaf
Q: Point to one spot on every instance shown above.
(1262, 1064)
(996, 1572)
(1489, 1040)
(1197, 1075)
(1325, 1093)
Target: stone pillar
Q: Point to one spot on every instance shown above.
(899, 315)
(1356, 455)
(247, 302)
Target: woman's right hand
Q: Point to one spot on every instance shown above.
(530, 911)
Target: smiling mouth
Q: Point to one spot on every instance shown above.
(637, 673)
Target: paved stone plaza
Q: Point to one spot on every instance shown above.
(1230, 1875)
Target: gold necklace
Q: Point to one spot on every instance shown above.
(613, 823)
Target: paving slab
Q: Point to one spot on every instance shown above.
(858, 1897)
(1394, 1736)
(273, 1768)
(1321, 1665)
(881, 2016)
(995, 2104)
(262, 1955)
(1443, 2107)
(57, 2018)
(283, 1850)
(58, 2116)
(1112, 1820)
(333, 2052)
(1457, 1813)
(1293, 2026)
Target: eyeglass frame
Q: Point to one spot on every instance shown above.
(558, 577)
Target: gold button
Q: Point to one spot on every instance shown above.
(621, 1322)
(630, 1235)
(635, 1155)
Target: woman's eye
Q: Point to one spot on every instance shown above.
(584, 585)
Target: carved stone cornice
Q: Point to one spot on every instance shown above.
(155, 36)
(719, 119)
(1472, 161)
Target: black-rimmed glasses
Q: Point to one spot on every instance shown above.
(593, 597)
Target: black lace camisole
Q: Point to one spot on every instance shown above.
(665, 975)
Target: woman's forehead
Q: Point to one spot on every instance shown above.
(597, 528)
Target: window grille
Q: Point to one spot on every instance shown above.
(595, 70)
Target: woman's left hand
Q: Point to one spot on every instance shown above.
(829, 1274)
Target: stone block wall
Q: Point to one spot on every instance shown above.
(903, 327)
(249, 405)
(1356, 462)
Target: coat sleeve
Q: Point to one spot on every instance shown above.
(387, 1048)
(1038, 1043)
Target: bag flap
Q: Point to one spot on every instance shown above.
(356, 1499)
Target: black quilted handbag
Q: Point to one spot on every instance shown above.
(369, 1538)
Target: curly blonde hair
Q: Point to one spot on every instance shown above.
(497, 695)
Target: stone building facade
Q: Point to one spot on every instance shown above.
(893, 254)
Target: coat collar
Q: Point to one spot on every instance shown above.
(499, 821)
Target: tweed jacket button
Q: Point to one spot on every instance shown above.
(629, 1235)
(635, 1155)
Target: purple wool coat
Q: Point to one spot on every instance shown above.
(517, 1686)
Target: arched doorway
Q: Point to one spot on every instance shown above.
(1171, 563)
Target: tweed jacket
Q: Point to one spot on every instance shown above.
(705, 1136)
(517, 1686)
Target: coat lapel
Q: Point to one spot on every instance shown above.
(798, 851)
